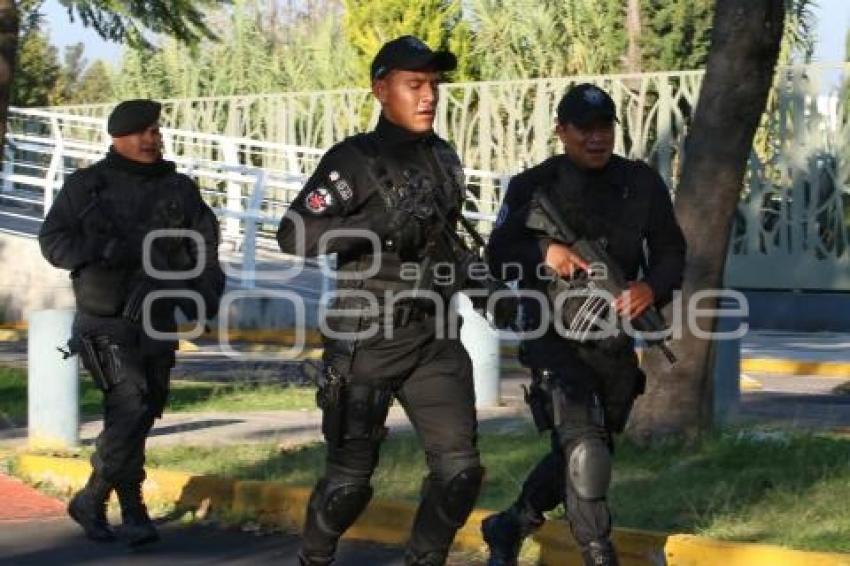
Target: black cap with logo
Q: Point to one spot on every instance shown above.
(586, 103)
(408, 53)
(132, 116)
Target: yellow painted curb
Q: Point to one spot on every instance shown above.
(12, 335)
(642, 548)
(281, 336)
(839, 370)
(70, 474)
(389, 522)
(186, 346)
(690, 550)
(750, 384)
(634, 547)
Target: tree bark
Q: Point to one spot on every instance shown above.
(9, 23)
(633, 53)
(744, 50)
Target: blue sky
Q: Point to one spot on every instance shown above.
(833, 22)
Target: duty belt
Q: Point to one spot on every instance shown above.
(405, 313)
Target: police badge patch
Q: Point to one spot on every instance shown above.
(318, 200)
(341, 185)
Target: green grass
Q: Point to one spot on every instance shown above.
(186, 396)
(783, 488)
(13, 395)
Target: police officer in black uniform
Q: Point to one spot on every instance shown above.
(96, 229)
(402, 183)
(587, 388)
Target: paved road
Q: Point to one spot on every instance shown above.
(59, 541)
(35, 531)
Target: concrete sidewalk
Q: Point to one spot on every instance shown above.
(798, 402)
(790, 400)
(285, 428)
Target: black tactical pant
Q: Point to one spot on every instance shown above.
(590, 395)
(136, 395)
(432, 379)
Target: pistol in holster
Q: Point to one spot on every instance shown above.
(100, 356)
(330, 397)
(538, 396)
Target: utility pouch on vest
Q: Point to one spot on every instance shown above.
(99, 291)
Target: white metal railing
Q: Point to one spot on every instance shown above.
(792, 210)
(43, 147)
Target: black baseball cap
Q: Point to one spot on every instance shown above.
(584, 104)
(408, 53)
(132, 116)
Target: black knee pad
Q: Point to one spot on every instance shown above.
(589, 467)
(338, 502)
(457, 497)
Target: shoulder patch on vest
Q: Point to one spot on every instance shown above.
(318, 200)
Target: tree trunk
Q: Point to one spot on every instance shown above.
(9, 22)
(744, 49)
(633, 54)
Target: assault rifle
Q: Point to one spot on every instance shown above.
(452, 248)
(604, 281)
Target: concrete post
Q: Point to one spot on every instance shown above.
(53, 383)
(482, 343)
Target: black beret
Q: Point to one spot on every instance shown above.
(132, 116)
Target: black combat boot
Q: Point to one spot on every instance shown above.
(433, 558)
(599, 553)
(312, 560)
(137, 528)
(88, 509)
(504, 533)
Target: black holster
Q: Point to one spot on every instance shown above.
(101, 357)
(538, 396)
(330, 397)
